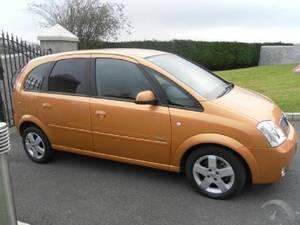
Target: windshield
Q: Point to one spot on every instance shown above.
(203, 82)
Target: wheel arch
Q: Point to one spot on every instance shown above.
(27, 121)
(194, 148)
(198, 141)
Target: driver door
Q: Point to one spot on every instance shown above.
(120, 127)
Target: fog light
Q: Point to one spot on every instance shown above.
(283, 171)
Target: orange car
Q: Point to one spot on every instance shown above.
(154, 109)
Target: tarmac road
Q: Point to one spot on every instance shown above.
(77, 190)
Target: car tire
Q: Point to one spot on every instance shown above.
(37, 145)
(215, 172)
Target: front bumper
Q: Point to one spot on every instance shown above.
(273, 163)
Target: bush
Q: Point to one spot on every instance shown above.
(213, 55)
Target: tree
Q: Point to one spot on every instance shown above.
(89, 20)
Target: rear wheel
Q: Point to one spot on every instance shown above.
(215, 172)
(37, 145)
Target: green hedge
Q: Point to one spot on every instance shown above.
(213, 55)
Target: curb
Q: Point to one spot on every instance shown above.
(295, 116)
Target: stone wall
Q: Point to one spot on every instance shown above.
(59, 46)
(58, 39)
(279, 55)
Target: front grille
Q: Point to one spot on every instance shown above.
(284, 124)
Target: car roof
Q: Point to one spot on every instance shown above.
(129, 52)
(138, 52)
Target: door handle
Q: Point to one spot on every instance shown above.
(46, 106)
(101, 114)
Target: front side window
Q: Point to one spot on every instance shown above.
(203, 82)
(69, 76)
(175, 95)
(36, 77)
(119, 79)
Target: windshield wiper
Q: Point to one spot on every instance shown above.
(227, 89)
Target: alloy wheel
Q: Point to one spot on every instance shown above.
(213, 174)
(35, 145)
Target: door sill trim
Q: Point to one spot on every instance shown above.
(118, 158)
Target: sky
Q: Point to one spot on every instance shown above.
(210, 20)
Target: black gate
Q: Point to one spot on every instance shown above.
(14, 54)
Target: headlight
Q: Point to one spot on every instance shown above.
(273, 133)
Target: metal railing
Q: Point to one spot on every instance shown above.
(14, 54)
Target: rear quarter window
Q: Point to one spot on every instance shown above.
(36, 77)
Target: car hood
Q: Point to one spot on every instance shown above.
(250, 103)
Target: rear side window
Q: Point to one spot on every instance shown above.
(35, 79)
(70, 76)
(119, 79)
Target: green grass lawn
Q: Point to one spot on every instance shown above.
(278, 82)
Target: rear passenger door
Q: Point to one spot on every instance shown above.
(64, 107)
(33, 86)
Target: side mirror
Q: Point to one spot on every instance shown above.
(146, 98)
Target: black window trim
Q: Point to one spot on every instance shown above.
(198, 108)
(88, 77)
(94, 93)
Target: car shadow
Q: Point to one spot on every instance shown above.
(113, 168)
(88, 163)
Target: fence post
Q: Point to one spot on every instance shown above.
(7, 208)
(1, 70)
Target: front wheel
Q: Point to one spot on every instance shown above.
(215, 172)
